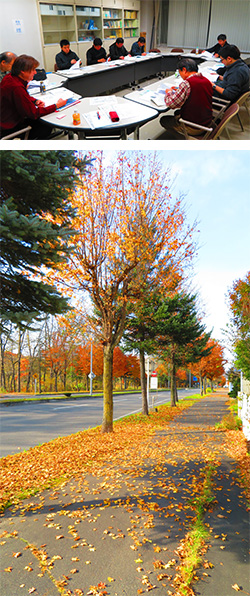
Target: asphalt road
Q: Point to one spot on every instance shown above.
(28, 424)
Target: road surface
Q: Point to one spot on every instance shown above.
(28, 424)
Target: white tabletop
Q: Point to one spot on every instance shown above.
(130, 114)
(101, 66)
(52, 81)
(144, 96)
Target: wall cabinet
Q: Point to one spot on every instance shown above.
(80, 21)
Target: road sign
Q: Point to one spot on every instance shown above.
(154, 373)
(154, 382)
(91, 375)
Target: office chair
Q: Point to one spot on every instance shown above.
(242, 101)
(177, 50)
(210, 133)
(16, 135)
(219, 106)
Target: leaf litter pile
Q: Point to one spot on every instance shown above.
(117, 513)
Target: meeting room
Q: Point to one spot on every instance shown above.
(125, 69)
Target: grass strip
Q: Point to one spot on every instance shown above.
(193, 547)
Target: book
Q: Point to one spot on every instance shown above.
(70, 102)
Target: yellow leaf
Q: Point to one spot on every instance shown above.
(236, 588)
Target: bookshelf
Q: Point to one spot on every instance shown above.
(131, 23)
(80, 21)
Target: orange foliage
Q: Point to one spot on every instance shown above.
(212, 366)
(82, 359)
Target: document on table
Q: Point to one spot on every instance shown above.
(34, 86)
(207, 55)
(210, 75)
(76, 65)
(52, 96)
(99, 118)
(158, 96)
(73, 72)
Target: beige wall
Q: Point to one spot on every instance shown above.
(28, 41)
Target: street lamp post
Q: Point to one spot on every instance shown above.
(91, 372)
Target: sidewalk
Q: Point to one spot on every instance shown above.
(117, 530)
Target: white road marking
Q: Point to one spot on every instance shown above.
(72, 406)
(136, 411)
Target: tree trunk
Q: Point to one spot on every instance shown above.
(143, 384)
(201, 386)
(3, 377)
(19, 361)
(56, 374)
(107, 422)
(176, 392)
(172, 381)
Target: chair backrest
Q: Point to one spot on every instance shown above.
(55, 67)
(219, 106)
(196, 51)
(241, 100)
(155, 50)
(228, 115)
(177, 50)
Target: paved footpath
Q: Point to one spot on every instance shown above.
(120, 528)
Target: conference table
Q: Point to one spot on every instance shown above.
(148, 95)
(106, 76)
(103, 77)
(95, 119)
(134, 109)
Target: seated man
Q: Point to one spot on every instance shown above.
(222, 43)
(117, 49)
(235, 80)
(96, 53)
(138, 47)
(18, 108)
(193, 97)
(6, 61)
(66, 56)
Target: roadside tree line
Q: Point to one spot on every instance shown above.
(106, 231)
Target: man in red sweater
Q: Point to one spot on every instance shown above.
(193, 98)
(18, 109)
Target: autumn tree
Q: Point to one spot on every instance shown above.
(35, 211)
(128, 227)
(211, 365)
(140, 332)
(239, 300)
(181, 335)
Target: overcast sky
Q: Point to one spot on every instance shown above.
(217, 187)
